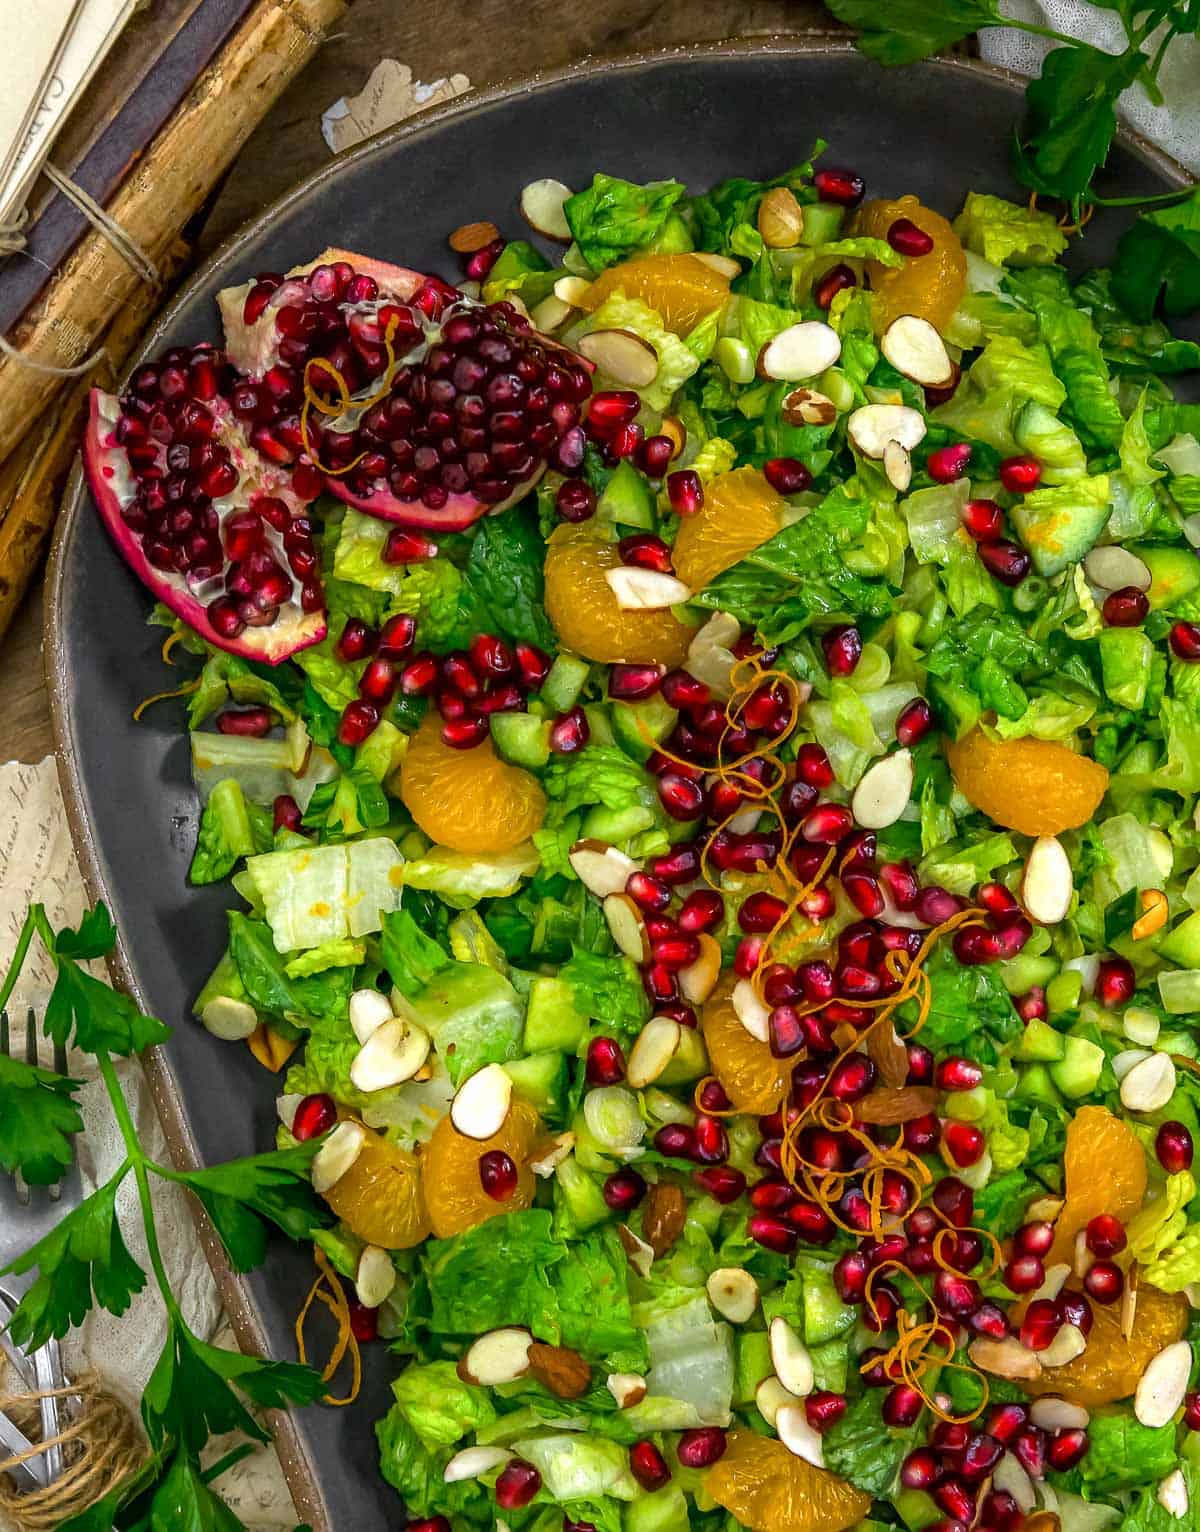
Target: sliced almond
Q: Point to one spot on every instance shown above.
(482, 1102)
(1172, 1494)
(1010, 1476)
(780, 219)
(1006, 1358)
(601, 868)
(656, 1045)
(627, 1388)
(1054, 1279)
(750, 1010)
(549, 1155)
(1053, 1413)
(723, 265)
(369, 1010)
(1115, 568)
(790, 1358)
(638, 1252)
(915, 348)
(550, 314)
(1149, 1085)
(872, 426)
(499, 1356)
(1083, 1256)
(884, 791)
(770, 1397)
(1044, 1209)
(392, 1054)
(627, 926)
(1047, 885)
(698, 980)
(375, 1277)
(801, 351)
(645, 590)
(285, 1107)
(472, 1462)
(1162, 1386)
(542, 209)
(897, 465)
(791, 1424)
(807, 407)
(1069, 1343)
(231, 1020)
(469, 237)
(336, 1155)
(733, 1293)
(571, 290)
(621, 355)
(1124, 1061)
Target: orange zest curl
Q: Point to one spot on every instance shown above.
(180, 691)
(327, 1289)
(313, 400)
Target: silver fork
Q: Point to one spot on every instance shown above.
(27, 1214)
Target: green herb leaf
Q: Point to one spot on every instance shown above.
(1072, 119)
(101, 1020)
(1160, 256)
(906, 30)
(37, 1119)
(243, 1196)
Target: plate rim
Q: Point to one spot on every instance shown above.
(300, 1471)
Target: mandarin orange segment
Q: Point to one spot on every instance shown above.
(1104, 1168)
(740, 512)
(380, 1196)
(469, 800)
(681, 288)
(930, 286)
(1111, 1366)
(1032, 785)
(581, 605)
(767, 1489)
(450, 1171)
(754, 1081)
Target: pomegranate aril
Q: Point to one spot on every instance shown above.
(989, 1319)
(1105, 1235)
(660, 984)
(827, 824)
(379, 681)
(648, 1466)
(682, 798)
(823, 1408)
(575, 500)
(497, 1174)
(1126, 608)
(1066, 1448)
(954, 1200)
(713, 1098)
(954, 1074)
(633, 683)
(920, 1064)
(1104, 1281)
(902, 1405)
(685, 491)
(722, 1183)
(419, 676)
(357, 641)
(1024, 1273)
(1076, 1310)
(359, 720)
(844, 187)
(908, 239)
(612, 408)
(286, 813)
(643, 550)
(570, 732)
(249, 723)
(702, 910)
(1034, 1238)
(842, 647)
(963, 1143)
(1191, 1410)
(464, 733)
(772, 1232)
(364, 1322)
(605, 1062)
(946, 464)
(914, 722)
(1041, 1323)
(983, 519)
(813, 766)
(712, 1141)
(836, 280)
(1174, 1148)
(533, 664)
(761, 912)
(679, 865)
(518, 1483)
(1005, 561)
(1020, 474)
(701, 1446)
(655, 454)
(787, 475)
(852, 1077)
(314, 1115)
(920, 1469)
(1115, 982)
(623, 1190)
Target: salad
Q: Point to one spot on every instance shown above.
(705, 737)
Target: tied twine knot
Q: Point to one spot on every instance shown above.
(13, 241)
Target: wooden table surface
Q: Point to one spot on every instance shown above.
(490, 43)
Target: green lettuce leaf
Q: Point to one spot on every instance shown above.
(1004, 233)
(1125, 1455)
(676, 362)
(719, 212)
(416, 1473)
(613, 218)
(607, 990)
(861, 1448)
(438, 1405)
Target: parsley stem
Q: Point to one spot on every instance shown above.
(20, 952)
(137, 1158)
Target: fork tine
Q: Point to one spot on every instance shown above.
(3, 1031)
(60, 1059)
(31, 1051)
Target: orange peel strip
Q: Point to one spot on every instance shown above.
(327, 1289)
(180, 691)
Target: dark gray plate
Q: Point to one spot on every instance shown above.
(738, 108)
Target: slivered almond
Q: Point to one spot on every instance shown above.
(750, 1010)
(336, 1155)
(375, 1277)
(654, 1048)
(801, 351)
(1162, 1386)
(481, 1103)
(698, 980)
(469, 237)
(770, 1397)
(627, 1388)
(884, 1107)
(807, 407)
(601, 868)
(1011, 1477)
(471, 1462)
(644, 590)
(1069, 1343)
(780, 219)
(733, 1293)
(791, 1424)
(1150, 1084)
(790, 1358)
(888, 1054)
(392, 1054)
(897, 465)
(621, 355)
(369, 1010)
(550, 314)
(627, 926)
(1054, 1279)
(638, 1252)
(1053, 1413)
(1114, 568)
(498, 1356)
(723, 265)
(872, 426)
(542, 208)
(884, 791)
(915, 348)
(1047, 885)
(550, 1153)
(1006, 1358)
(1172, 1494)
(571, 290)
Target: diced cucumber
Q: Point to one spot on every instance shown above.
(616, 825)
(831, 1365)
(1125, 655)
(1078, 1071)
(826, 1317)
(822, 222)
(1060, 522)
(1064, 991)
(582, 1201)
(566, 680)
(1179, 991)
(1024, 971)
(1181, 945)
(690, 1060)
(599, 725)
(665, 1510)
(969, 1105)
(522, 738)
(551, 1020)
(917, 1509)
(629, 719)
(1039, 1044)
(1174, 573)
(753, 1364)
(626, 498)
(540, 1079)
(1035, 1084)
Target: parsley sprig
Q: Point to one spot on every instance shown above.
(1070, 120)
(197, 1390)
